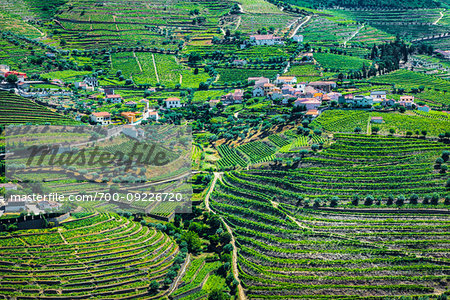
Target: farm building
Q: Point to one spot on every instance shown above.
(378, 96)
(424, 108)
(312, 113)
(377, 120)
(285, 79)
(129, 115)
(266, 39)
(8, 186)
(48, 205)
(102, 118)
(258, 91)
(259, 81)
(173, 102)
(15, 206)
(309, 103)
(298, 38)
(406, 101)
(235, 97)
(325, 86)
(153, 115)
(20, 76)
(133, 132)
(91, 81)
(130, 103)
(114, 98)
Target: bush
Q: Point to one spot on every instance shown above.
(413, 199)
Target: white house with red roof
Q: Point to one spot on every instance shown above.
(173, 102)
(266, 39)
(101, 118)
(114, 98)
(285, 79)
(309, 103)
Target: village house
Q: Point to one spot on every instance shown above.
(20, 76)
(406, 101)
(146, 103)
(130, 103)
(334, 96)
(298, 38)
(275, 94)
(424, 108)
(133, 132)
(48, 205)
(309, 92)
(129, 115)
(91, 81)
(258, 81)
(15, 206)
(312, 113)
(325, 86)
(101, 118)
(266, 39)
(231, 98)
(377, 120)
(362, 101)
(285, 79)
(309, 103)
(172, 102)
(3, 70)
(114, 98)
(153, 115)
(378, 96)
(258, 91)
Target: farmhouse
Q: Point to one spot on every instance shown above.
(378, 96)
(258, 91)
(362, 101)
(129, 115)
(15, 206)
(325, 86)
(285, 79)
(91, 81)
(114, 98)
(20, 76)
(298, 38)
(235, 97)
(406, 101)
(130, 103)
(266, 39)
(309, 103)
(173, 102)
(102, 118)
(312, 113)
(153, 115)
(377, 120)
(48, 205)
(424, 108)
(259, 81)
(133, 132)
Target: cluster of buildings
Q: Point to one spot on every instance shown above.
(269, 40)
(88, 84)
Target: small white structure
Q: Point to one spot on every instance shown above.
(48, 205)
(153, 115)
(8, 186)
(424, 108)
(91, 81)
(298, 38)
(266, 39)
(102, 118)
(173, 102)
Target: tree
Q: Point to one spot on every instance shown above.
(369, 200)
(193, 241)
(195, 71)
(217, 294)
(413, 199)
(400, 200)
(12, 78)
(434, 199)
(334, 201)
(153, 287)
(358, 130)
(355, 199)
(390, 199)
(375, 129)
(424, 133)
(315, 147)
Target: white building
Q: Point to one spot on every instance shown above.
(378, 96)
(258, 91)
(133, 132)
(153, 115)
(102, 118)
(266, 39)
(298, 38)
(15, 206)
(173, 102)
(285, 79)
(91, 81)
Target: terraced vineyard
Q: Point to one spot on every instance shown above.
(19, 110)
(257, 151)
(98, 255)
(288, 250)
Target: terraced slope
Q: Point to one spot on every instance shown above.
(18, 110)
(98, 255)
